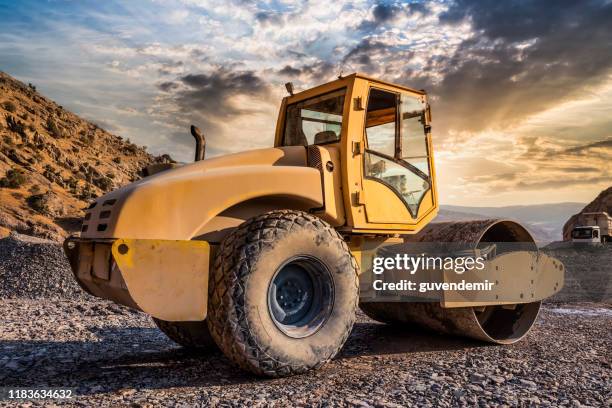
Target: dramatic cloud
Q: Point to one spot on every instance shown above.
(592, 149)
(528, 56)
(212, 92)
(210, 96)
(307, 74)
(268, 18)
(211, 101)
(521, 90)
(520, 58)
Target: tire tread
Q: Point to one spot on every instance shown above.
(237, 254)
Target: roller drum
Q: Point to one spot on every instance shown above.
(497, 324)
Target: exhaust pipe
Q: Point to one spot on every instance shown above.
(200, 143)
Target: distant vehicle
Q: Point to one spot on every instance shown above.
(593, 227)
(586, 234)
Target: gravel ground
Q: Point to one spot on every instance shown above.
(35, 268)
(54, 335)
(114, 356)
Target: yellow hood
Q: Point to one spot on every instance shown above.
(177, 203)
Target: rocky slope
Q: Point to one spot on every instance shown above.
(52, 162)
(603, 202)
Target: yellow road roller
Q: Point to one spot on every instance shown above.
(267, 254)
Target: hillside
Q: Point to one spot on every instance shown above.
(52, 163)
(603, 202)
(545, 221)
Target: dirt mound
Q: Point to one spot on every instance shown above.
(35, 268)
(587, 271)
(52, 163)
(603, 202)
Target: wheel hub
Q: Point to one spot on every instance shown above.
(293, 297)
(300, 296)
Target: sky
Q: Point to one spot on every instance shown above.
(521, 91)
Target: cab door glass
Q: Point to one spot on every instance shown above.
(381, 121)
(407, 184)
(414, 138)
(396, 149)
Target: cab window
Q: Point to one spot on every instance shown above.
(582, 233)
(396, 145)
(316, 120)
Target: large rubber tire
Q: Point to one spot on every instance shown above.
(191, 335)
(248, 261)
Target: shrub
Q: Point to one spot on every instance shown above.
(13, 179)
(10, 106)
(15, 125)
(87, 139)
(54, 129)
(35, 189)
(38, 202)
(73, 182)
(86, 193)
(104, 183)
(131, 148)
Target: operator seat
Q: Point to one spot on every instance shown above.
(325, 136)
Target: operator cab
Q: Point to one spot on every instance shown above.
(381, 132)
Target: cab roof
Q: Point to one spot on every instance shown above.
(372, 79)
(343, 80)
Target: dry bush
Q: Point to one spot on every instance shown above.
(14, 178)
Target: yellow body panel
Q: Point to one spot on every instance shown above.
(177, 204)
(383, 206)
(387, 208)
(166, 279)
(331, 180)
